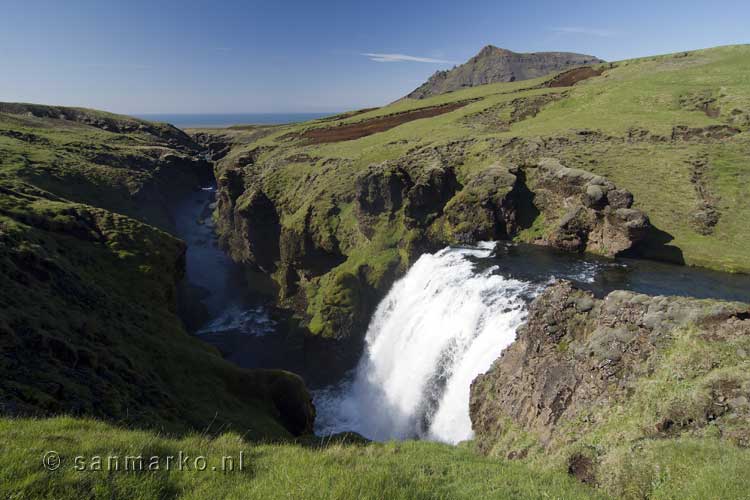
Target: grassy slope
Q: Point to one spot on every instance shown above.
(642, 93)
(682, 469)
(90, 165)
(410, 470)
(701, 460)
(87, 295)
(701, 455)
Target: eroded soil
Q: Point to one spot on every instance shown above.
(350, 131)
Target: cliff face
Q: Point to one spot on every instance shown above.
(587, 379)
(493, 65)
(629, 158)
(88, 283)
(422, 199)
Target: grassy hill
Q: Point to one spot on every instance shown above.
(88, 282)
(332, 211)
(672, 130)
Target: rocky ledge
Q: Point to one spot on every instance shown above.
(588, 376)
(548, 204)
(422, 202)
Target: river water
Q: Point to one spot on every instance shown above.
(438, 327)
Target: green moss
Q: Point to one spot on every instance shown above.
(87, 294)
(669, 438)
(538, 230)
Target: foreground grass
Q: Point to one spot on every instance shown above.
(408, 470)
(673, 469)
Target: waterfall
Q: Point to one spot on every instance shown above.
(439, 327)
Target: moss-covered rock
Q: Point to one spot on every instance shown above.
(588, 380)
(584, 211)
(483, 209)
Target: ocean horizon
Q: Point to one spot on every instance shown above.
(218, 120)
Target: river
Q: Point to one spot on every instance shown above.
(439, 326)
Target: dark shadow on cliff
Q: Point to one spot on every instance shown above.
(523, 199)
(655, 247)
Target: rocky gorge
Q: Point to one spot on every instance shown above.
(92, 276)
(584, 212)
(467, 266)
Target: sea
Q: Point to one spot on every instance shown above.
(228, 120)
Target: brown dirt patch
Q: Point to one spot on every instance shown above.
(522, 108)
(573, 76)
(582, 468)
(350, 131)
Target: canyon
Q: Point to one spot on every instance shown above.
(546, 268)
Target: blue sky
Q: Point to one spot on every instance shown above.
(291, 56)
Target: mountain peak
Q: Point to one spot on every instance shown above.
(490, 50)
(494, 64)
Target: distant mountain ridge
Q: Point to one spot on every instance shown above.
(493, 65)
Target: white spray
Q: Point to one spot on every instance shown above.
(439, 327)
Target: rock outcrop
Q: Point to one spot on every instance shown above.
(485, 208)
(571, 209)
(425, 204)
(583, 211)
(493, 65)
(674, 364)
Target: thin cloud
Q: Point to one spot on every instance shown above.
(389, 58)
(116, 66)
(578, 30)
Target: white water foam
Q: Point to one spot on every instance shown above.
(439, 327)
(249, 321)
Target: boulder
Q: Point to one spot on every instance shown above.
(584, 211)
(483, 209)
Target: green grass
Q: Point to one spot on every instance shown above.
(88, 291)
(639, 93)
(651, 94)
(406, 470)
(86, 164)
(676, 469)
(699, 455)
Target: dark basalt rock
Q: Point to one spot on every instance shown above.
(381, 189)
(587, 212)
(257, 224)
(576, 353)
(431, 191)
